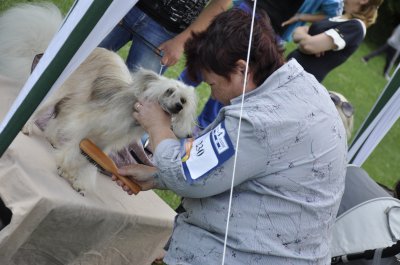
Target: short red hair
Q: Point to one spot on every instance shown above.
(226, 40)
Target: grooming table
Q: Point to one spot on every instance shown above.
(53, 224)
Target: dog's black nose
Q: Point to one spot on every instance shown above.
(178, 107)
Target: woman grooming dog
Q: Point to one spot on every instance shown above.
(96, 102)
(288, 172)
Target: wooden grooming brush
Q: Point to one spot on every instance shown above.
(97, 157)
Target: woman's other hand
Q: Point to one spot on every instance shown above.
(155, 121)
(141, 174)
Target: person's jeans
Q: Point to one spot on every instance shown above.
(390, 56)
(140, 54)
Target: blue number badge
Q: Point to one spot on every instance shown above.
(201, 155)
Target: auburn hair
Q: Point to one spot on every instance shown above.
(226, 40)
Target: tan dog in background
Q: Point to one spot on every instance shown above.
(346, 112)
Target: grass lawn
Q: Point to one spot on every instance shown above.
(360, 83)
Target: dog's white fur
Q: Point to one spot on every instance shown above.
(97, 102)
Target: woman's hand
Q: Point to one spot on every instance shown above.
(141, 174)
(155, 121)
(151, 116)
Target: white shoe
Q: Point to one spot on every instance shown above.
(387, 76)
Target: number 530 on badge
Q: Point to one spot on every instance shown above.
(206, 152)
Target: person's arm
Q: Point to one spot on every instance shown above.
(336, 38)
(173, 48)
(304, 18)
(315, 44)
(250, 164)
(155, 121)
(169, 173)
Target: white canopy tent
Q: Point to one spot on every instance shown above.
(381, 118)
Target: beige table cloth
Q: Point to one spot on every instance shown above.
(53, 224)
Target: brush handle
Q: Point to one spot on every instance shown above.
(135, 188)
(106, 163)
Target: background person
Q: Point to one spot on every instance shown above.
(328, 43)
(291, 156)
(311, 11)
(158, 30)
(391, 48)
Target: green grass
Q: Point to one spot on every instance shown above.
(360, 83)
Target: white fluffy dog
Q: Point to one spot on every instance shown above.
(25, 30)
(97, 102)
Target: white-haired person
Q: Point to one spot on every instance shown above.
(288, 175)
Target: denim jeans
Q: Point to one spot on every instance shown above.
(140, 54)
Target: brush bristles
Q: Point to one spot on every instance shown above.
(94, 163)
(98, 158)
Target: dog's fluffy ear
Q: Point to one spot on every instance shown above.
(145, 77)
(105, 87)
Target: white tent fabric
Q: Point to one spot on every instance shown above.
(378, 122)
(369, 225)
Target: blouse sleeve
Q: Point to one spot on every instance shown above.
(347, 33)
(249, 165)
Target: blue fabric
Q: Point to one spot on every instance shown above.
(185, 79)
(211, 108)
(209, 113)
(140, 55)
(331, 8)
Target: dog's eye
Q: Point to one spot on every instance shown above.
(183, 100)
(169, 92)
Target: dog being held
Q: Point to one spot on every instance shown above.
(97, 102)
